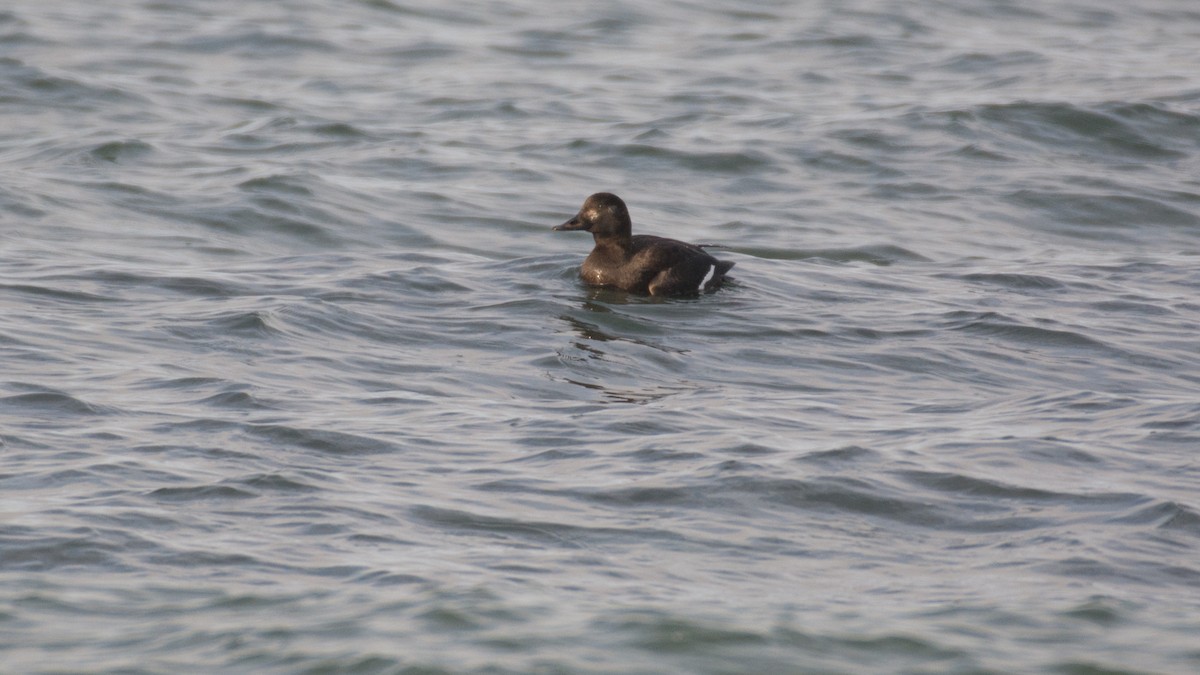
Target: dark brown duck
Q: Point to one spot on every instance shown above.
(641, 263)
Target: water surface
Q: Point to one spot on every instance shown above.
(296, 378)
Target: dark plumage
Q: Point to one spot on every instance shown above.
(640, 263)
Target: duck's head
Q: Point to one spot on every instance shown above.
(603, 214)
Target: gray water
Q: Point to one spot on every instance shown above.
(295, 378)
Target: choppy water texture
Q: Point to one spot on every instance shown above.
(295, 378)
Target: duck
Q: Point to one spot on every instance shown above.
(640, 263)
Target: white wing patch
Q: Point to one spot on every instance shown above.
(712, 269)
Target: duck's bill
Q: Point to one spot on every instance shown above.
(572, 224)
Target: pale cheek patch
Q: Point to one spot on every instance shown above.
(712, 269)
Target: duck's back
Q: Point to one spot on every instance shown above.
(655, 265)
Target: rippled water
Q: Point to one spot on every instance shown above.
(296, 378)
